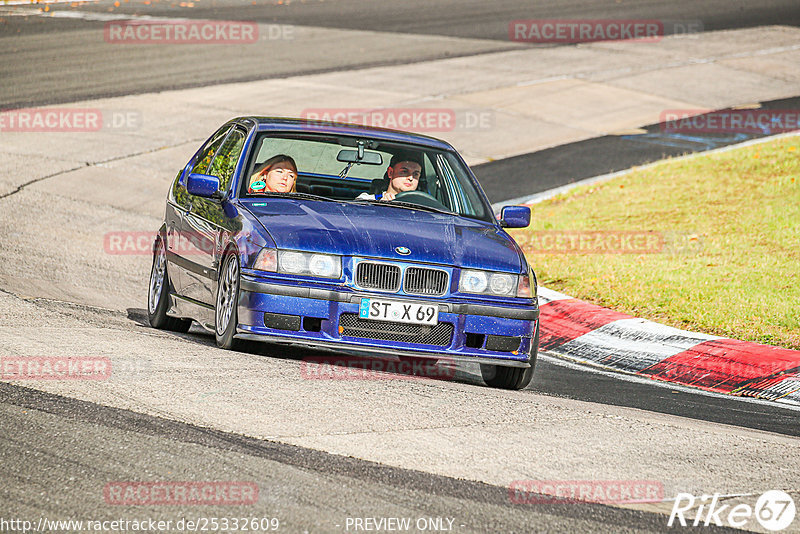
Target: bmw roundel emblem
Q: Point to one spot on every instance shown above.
(403, 251)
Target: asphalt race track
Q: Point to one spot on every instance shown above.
(308, 490)
(320, 452)
(43, 57)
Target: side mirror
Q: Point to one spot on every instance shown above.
(515, 217)
(203, 185)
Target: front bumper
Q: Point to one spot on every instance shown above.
(473, 324)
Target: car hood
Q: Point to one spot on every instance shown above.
(376, 230)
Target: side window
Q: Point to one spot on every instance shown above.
(466, 198)
(201, 165)
(226, 159)
(459, 199)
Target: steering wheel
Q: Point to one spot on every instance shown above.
(421, 198)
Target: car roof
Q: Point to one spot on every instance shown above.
(285, 124)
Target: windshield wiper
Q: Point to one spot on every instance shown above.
(306, 196)
(401, 204)
(418, 206)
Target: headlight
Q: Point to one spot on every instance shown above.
(324, 265)
(473, 282)
(488, 283)
(321, 265)
(501, 284)
(292, 262)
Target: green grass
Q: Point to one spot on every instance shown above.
(731, 261)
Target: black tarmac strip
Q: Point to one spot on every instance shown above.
(532, 173)
(478, 19)
(581, 383)
(47, 439)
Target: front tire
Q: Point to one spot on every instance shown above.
(498, 376)
(158, 294)
(226, 316)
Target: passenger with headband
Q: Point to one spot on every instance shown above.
(276, 175)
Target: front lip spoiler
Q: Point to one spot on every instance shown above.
(359, 350)
(526, 314)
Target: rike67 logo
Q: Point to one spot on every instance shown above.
(774, 510)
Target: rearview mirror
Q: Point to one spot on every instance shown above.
(515, 217)
(352, 156)
(203, 185)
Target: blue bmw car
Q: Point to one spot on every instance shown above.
(366, 241)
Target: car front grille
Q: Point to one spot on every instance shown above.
(382, 276)
(353, 326)
(423, 281)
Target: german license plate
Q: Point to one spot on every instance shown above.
(399, 312)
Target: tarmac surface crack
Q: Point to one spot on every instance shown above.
(97, 163)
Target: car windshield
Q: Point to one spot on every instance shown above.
(355, 170)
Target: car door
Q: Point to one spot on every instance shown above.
(173, 218)
(181, 251)
(205, 221)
